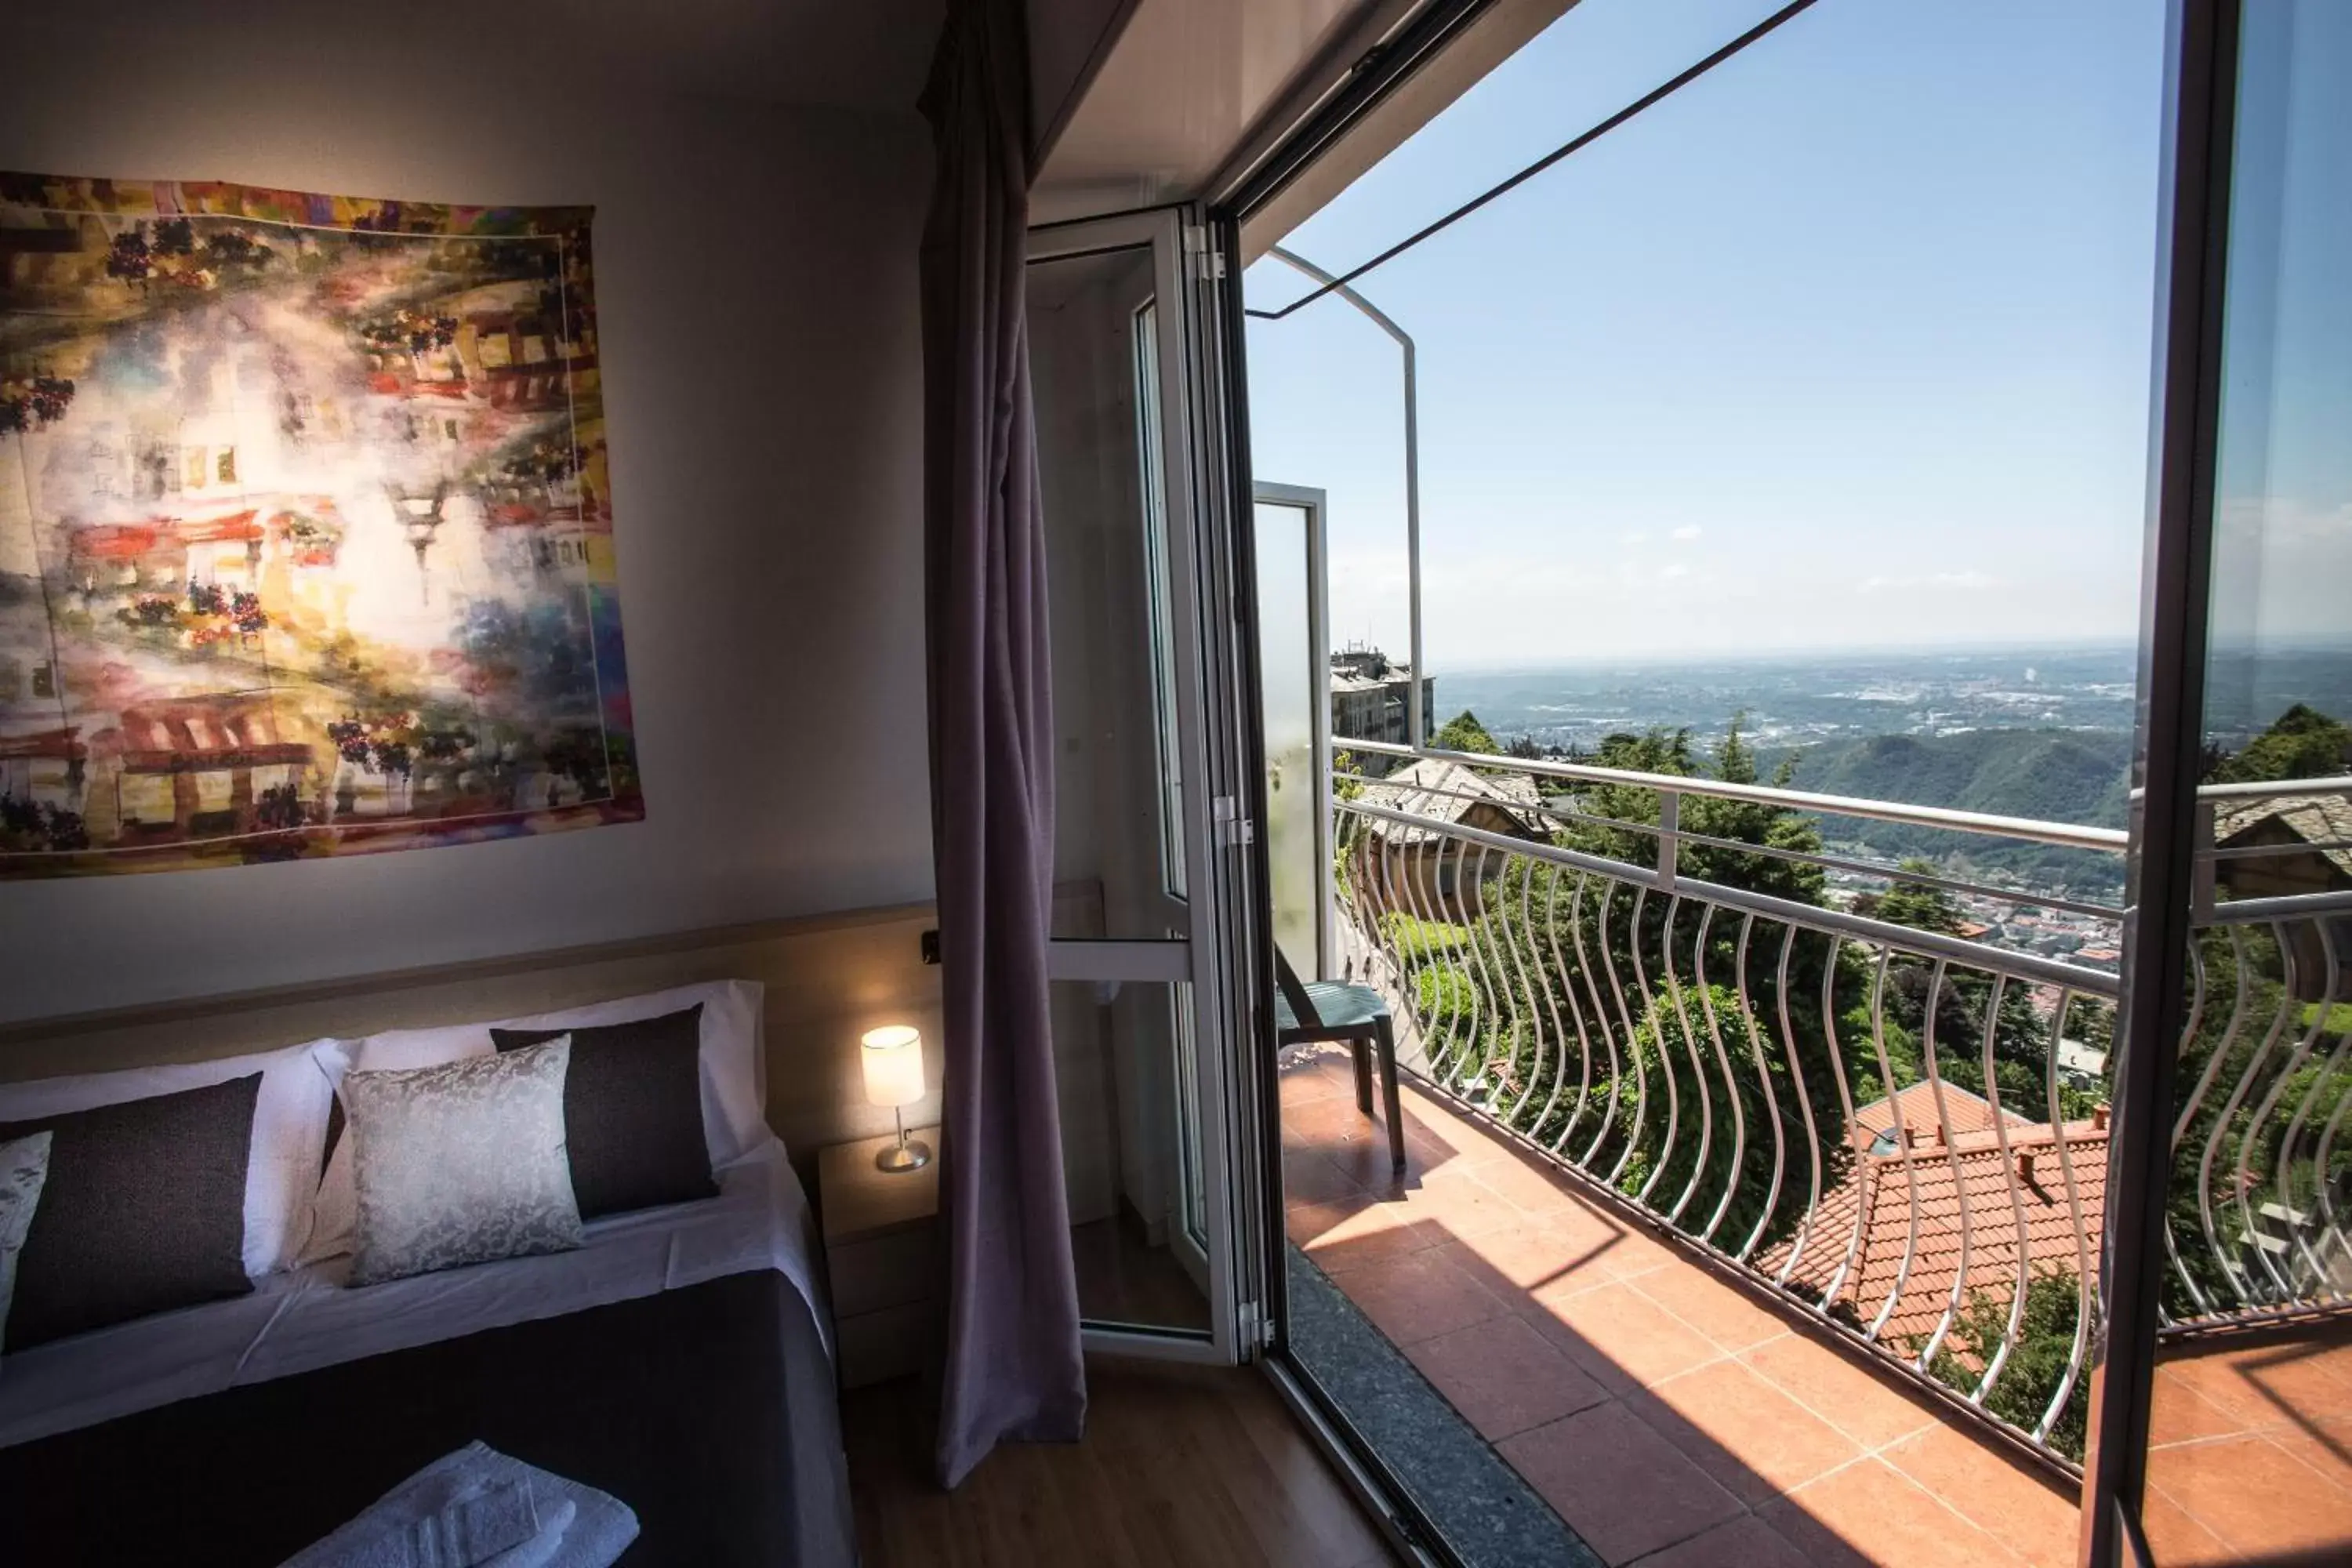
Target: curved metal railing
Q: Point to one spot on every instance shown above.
(1869, 1118)
(1902, 1130)
(2257, 1214)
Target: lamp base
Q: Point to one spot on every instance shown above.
(911, 1155)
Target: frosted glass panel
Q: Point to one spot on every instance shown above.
(1290, 670)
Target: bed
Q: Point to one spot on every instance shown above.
(678, 1359)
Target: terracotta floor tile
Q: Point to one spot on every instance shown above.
(1864, 1406)
(1418, 1297)
(1358, 1232)
(1364, 1158)
(1325, 1124)
(2176, 1540)
(1309, 1178)
(1457, 1200)
(1870, 1512)
(1623, 1488)
(1521, 1181)
(1428, 1119)
(2178, 1413)
(1619, 1336)
(1528, 1257)
(1718, 1310)
(1307, 1079)
(1620, 1245)
(2025, 1511)
(1504, 1377)
(1743, 1542)
(2266, 1386)
(2326, 1450)
(2257, 1497)
(1752, 1438)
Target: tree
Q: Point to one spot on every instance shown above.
(1919, 905)
(2301, 744)
(1463, 732)
(1635, 807)
(2030, 1378)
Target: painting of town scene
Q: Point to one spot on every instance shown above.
(305, 529)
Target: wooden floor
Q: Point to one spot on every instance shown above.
(1180, 1466)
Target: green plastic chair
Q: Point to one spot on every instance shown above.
(1311, 1011)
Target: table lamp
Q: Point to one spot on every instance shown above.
(893, 1056)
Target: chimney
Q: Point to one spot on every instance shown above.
(2099, 1117)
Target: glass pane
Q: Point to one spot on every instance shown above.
(2253, 1398)
(1148, 436)
(1131, 1155)
(1119, 835)
(1291, 677)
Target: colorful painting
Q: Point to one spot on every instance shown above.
(306, 536)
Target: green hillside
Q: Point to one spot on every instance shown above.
(2059, 776)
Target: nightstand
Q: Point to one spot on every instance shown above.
(881, 1248)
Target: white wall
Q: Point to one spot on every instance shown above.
(756, 290)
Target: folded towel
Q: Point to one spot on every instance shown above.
(475, 1507)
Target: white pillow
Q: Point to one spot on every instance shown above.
(24, 1170)
(460, 1163)
(290, 1129)
(734, 1077)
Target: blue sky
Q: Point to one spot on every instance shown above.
(1844, 346)
(2284, 550)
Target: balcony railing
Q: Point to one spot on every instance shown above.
(1896, 1129)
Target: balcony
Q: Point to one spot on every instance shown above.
(1751, 1228)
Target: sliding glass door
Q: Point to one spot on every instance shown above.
(2226, 1415)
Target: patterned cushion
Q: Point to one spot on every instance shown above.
(24, 1166)
(460, 1163)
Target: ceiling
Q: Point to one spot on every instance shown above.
(1186, 96)
(1177, 92)
(857, 54)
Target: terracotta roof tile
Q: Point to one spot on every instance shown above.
(1955, 1193)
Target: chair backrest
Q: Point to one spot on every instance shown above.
(1302, 1006)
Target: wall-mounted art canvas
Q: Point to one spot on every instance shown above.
(305, 529)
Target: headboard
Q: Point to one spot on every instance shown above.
(827, 977)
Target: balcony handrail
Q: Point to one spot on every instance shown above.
(1879, 869)
(2065, 834)
(2026, 966)
(2271, 789)
(2282, 906)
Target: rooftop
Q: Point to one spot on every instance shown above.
(2321, 819)
(1449, 792)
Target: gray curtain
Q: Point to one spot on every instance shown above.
(1014, 1365)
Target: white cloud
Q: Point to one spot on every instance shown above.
(1687, 532)
(1675, 569)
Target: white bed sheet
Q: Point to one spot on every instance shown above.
(298, 1321)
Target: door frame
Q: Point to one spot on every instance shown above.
(1189, 427)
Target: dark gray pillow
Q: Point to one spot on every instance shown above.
(632, 1111)
(143, 1210)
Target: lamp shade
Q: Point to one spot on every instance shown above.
(894, 1065)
